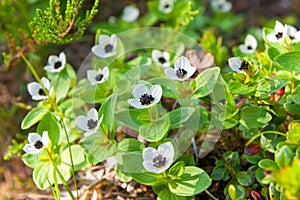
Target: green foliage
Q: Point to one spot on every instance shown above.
(57, 24)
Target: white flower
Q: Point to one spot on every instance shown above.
(166, 6)
(36, 91)
(130, 13)
(182, 70)
(159, 160)
(95, 195)
(221, 5)
(161, 57)
(250, 45)
(279, 33)
(36, 143)
(144, 98)
(98, 76)
(56, 63)
(89, 123)
(106, 47)
(293, 34)
(237, 64)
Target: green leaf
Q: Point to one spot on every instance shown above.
(34, 116)
(293, 135)
(43, 174)
(107, 110)
(169, 86)
(155, 131)
(289, 61)
(179, 116)
(148, 178)
(78, 157)
(129, 118)
(283, 156)
(177, 169)
(167, 194)
(131, 162)
(31, 160)
(123, 176)
(51, 124)
(205, 82)
(61, 85)
(130, 144)
(244, 178)
(268, 164)
(193, 181)
(232, 192)
(254, 117)
(97, 147)
(239, 88)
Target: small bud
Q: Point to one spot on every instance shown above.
(255, 195)
(252, 149)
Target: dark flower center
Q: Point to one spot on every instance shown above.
(162, 60)
(146, 99)
(180, 73)
(57, 65)
(41, 92)
(249, 47)
(166, 6)
(99, 77)
(108, 48)
(38, 144)
(220, 5)
(291, 37)
(92, 123)
(159, 161)
(279, 35)
(244, 65)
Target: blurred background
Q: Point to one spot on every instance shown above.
(15, 177)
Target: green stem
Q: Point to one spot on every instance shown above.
(38, 79)
(60, 176)
(262, 133)
(71, 156)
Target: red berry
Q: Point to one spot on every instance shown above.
(252, 149)
(280, 91)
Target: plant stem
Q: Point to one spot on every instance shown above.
(71, 156)
(60, 176)
(38, 79)
(262, 133)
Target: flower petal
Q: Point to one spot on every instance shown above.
(45, 139)
(156, 54)
(62, 58)
(149, 153)
(50, 68)
(105, 72)
(245, 49)
(235, 64)
(140, 90)
(272, 38)
(170, 73)
(279, 28)
(130, 13)
(81, 122)
(156, 92)
(251, 41)
(52, 59)
(137, 104)
(33, 138)
(113, 40)
(29, 148)
(182, 63)
(92, 114)
(104, 39)
(33, 88)
(99, 51)
(166, 55)
(167, 150)
(46, 83)
(91, 76)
